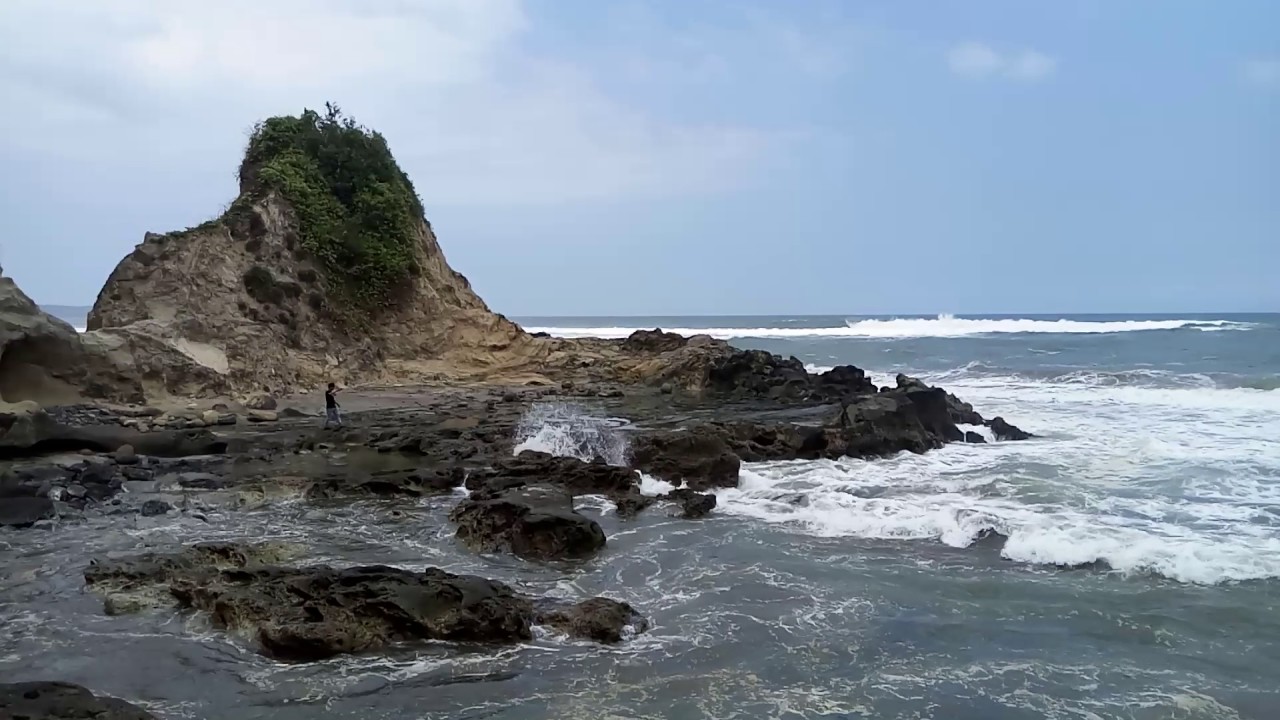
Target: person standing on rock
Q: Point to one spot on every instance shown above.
(331, 414)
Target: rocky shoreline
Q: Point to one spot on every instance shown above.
(65, 463)
(177, 401)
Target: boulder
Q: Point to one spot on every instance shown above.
(535, 522)
(1005, 431)
(63, 701)
(34, 434)
(599, 619)
(302, 614)
(24, 512)
(152, 508)
(390, 483)
(263, 416)
(570, 474)
(973, 437)
(699, 456)
(45, 360)
(692, 504)
(260, 401)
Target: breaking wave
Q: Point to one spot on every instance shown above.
(569, 430)
(939, 326)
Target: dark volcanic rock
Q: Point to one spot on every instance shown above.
(599, 619)
(1005, 431)
(699, 457)
(25, 511)
(693, 504)
(571, 474)
(975, 438)
(63, 701)
(961, 412)
(654, 341)
(532, 521)
(631, 503)
(390, 483)
(311, 613)
(152, 508)
(28, 435)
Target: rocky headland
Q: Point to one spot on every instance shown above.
(195, 392)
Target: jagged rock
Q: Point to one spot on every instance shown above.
(125, 455)
(392, 483)
(537, 522)
(631, 503)
(693, 504)
(45, 360)
(63, 701)
(31, 434)
(245, 303)
(599, 619)
(24, 512)
(654, 341)
(570, 474)
(695, 457)
(152, 508)
(260, 401)
(1005, 431)
(973, 437)
(312, 613)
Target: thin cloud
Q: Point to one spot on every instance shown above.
(1264, 72)
(473, 116)
(978, 60)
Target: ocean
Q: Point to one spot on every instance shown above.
(1140, 578)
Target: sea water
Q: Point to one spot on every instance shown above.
(1140, 578)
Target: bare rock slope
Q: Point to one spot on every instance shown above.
(44, 360)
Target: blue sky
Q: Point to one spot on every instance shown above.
(706, 156)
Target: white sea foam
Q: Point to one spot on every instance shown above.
(1176, 481)
(82, 330)
(568, 430)
(940, 326)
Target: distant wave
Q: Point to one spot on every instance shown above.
(940, 326)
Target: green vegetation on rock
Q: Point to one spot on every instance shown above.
(357, 211)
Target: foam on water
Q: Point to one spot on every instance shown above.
(943, 326)
(1176, 481)
(569, 430)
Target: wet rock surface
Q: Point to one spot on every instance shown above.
(309, 613)
(531, 521)
(63, 701)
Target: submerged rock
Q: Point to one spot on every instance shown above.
(302, 614)
(390, 483)
(693, 504)
(599, 619)
(1005, 431)
(24, 512)
(699, 457)
(63, 701)
(531, 521)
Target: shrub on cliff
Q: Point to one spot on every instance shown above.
(357, 211)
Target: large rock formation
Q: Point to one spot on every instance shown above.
(245, 303)
(43, 359)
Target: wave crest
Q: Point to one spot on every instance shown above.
(939, 326)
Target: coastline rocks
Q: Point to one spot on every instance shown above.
(63, 701)
(45, 360)
(572, 475)
(1005, 431)
(22, 512)
(692, 504)
(304, 614)
(37, 433)
(260, 401)
(390, 483)
(699, 457)
(535, 522)
(599, 619)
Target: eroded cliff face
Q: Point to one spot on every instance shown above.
(43, 359)
(238, 305)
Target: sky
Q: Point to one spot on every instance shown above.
(579, 157)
